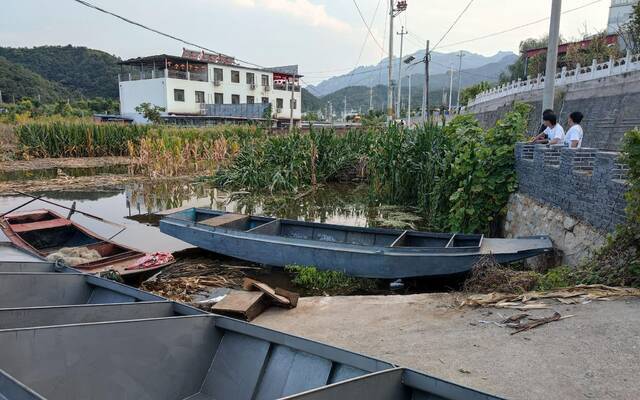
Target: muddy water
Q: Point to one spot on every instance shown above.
(135, 204)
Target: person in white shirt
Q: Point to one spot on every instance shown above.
(573, 139)
(554, 131)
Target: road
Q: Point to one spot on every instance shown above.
(593, 355)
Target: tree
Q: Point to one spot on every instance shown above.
(151, 112)
(598, 49)
(630, 32)
(470, 93)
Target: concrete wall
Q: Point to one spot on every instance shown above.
(610, 106)
(575, 196)
(134, 93)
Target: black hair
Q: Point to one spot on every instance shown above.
(576, 117)
(551, 118)
(547, 112)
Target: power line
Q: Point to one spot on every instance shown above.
(453, 24)
(365, 24)
(364, 43)
(127, 20)
(490, 35)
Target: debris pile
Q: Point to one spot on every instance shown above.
(488, 276)
(580, 294)
(518, 323)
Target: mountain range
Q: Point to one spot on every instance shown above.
(485, 68)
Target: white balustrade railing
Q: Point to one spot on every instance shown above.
(579, 74)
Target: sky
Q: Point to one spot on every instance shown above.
(325, 37)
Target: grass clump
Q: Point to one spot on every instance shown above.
(555, 278)
(317, 282)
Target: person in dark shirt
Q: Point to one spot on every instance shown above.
(541, 135)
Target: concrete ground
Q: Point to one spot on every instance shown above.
(593, 355)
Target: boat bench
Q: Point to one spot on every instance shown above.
(231, 221)
(36, 226)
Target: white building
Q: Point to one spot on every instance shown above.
(619, 14)
(201, 86)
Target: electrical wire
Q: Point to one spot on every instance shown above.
(453, 25)
(490, 35)
(367, 25)
(127, 20)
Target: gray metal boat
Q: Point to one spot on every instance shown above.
(75, 336)
(356, 251)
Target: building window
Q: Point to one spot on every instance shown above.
(178, 95)
(218, 74)
(279, 103)
(293, 103)
(235, 76)
(218, 98)
(251, 78)
(265, 100)
(265, 80)
(199, 96)
(251, 99)
(235, 99)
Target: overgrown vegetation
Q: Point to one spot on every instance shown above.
(317, 282)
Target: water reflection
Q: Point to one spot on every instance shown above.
(134, 206)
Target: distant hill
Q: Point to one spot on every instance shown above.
(358, 95)
(440, 63)
(92, 73)
(17, 82)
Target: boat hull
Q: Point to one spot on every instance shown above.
(360, 261)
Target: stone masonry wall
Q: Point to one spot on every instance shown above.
(585, 183)
(576, 196)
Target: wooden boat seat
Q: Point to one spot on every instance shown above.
(224, 220)
(36, 226)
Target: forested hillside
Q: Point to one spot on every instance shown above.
(92, 73)
(17, 82)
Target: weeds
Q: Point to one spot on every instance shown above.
(316, 282)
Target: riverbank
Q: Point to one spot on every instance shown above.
(592, 355)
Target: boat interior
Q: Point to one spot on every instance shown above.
(47, 233)
(62, 336)
(333, 233)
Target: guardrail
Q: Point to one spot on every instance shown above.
(565, 77)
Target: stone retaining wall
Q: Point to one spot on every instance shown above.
(584, 183)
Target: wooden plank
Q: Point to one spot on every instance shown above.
(250, 284)
(36, 226)
(241, 304)
(223, 219)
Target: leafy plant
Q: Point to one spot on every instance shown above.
(319, 282)
(151, 112)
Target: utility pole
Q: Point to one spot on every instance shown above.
(409, 104)
(0, 96)
(393, 12)
(371, 98)
(400, 61)
(552, 55)
(425, 92)
(450, 88)
(344, 114)
(292, 102)
(459, 80)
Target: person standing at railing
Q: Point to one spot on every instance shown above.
(574, 135)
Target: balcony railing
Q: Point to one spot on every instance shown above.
(580, 74)
(136, 75)
(280, 86)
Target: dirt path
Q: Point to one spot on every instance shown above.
(593, 355)
(48, 163)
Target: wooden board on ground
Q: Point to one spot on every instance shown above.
(241, 304)
(279, 297)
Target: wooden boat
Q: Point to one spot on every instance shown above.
(44, 233)
(76, 336)
(356, 251)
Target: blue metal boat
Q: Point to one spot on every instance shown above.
(66, 335)
(356, 251)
